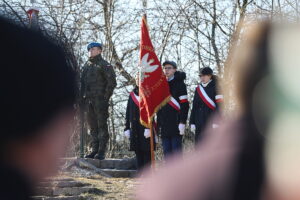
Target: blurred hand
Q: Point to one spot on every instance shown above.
(215, 126)
(147, 133)
(193, 127)
(127, 134)
(181, 128)
(82, 101)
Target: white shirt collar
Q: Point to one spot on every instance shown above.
(171, 78)
(205, 84)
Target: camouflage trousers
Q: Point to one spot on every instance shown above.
(97, 114)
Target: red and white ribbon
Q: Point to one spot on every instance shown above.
(174, 104)
(183, 99)
(135, 98)
(205, 98)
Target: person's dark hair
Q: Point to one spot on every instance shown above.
(170, 63)
(36, 82)
(206, 71)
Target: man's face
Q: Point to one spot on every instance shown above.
(205, 78)
(169, 70)
(94, 52)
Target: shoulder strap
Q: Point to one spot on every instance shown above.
(135, 98)
(174, 104)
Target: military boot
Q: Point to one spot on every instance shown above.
(99, 156)
(95, 147)
(91, 155)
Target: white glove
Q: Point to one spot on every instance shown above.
(215, 126)
(147, 133)
(193, 127)
(127, 133)
(181, 128)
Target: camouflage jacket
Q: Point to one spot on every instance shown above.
(98, 78)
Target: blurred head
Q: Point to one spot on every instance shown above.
(206, 74)
(94, 49)
(169, 68)
(246, 66)
(264, 73)
(38, 91)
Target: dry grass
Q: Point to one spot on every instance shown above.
(107, 188)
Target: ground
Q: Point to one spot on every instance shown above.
(76, 182)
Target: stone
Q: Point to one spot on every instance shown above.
(116, 173)
(94, 162)
(75, 191)
(46, 184)
(63, 184)
(44, 191)
(59, 179)
(71, 191)
(80, 162)
(127, 163)
(109, 163)
(60, 198)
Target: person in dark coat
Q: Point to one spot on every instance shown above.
(38, 93)
(138, 135)
(172, 117)
(205, 103)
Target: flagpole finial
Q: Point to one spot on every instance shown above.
(33, 17)
(144, 4)
(145, 7)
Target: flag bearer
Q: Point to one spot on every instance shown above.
(172, 117)
(138, 135)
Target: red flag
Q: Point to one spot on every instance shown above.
(153, 87)
(33, 17)
(32, 12)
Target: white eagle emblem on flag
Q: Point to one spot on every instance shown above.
(146, 67)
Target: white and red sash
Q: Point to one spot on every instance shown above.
(219, 98)
(205, 98)
(183, 99)
(174, 104)
(135, 98)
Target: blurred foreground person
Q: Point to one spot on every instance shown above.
(228, 163)
(138, 135)
(38, 91)
(205, 103)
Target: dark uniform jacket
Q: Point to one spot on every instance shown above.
(201, 113)
(168, 118)
(137, 140)
(98, 78)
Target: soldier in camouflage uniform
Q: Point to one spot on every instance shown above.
(98, 81)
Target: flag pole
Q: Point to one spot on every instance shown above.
(152, 147)
(151, 124)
